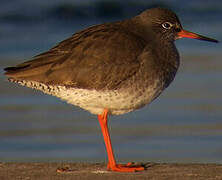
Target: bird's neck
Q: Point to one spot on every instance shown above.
(167, 52)
(168, 58)
(162, 59)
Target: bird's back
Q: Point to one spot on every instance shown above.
(89, 59)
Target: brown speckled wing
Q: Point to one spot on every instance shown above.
(100, 57)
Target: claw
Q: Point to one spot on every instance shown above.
(129, 167)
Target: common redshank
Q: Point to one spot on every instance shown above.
(112, 68)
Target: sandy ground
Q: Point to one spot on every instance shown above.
(48, 171)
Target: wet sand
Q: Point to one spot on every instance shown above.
(48, 171)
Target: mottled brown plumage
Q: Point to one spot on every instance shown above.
(92, 58)
(133, 59)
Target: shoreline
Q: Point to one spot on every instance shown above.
(96, 171)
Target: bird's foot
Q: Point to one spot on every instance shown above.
(129, 167)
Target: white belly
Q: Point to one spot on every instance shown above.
(116, 101)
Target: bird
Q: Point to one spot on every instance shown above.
(111, 68)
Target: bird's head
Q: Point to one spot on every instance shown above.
(165, 24)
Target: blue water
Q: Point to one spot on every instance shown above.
(182, 125)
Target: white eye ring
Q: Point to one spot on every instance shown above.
(167, 25)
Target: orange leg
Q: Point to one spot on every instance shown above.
(111, 159)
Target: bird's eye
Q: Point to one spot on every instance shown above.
(167, 25)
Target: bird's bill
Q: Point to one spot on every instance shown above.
(186, 34)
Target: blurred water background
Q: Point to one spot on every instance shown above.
(183, 125)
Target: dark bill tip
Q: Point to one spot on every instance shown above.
(186, 34)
